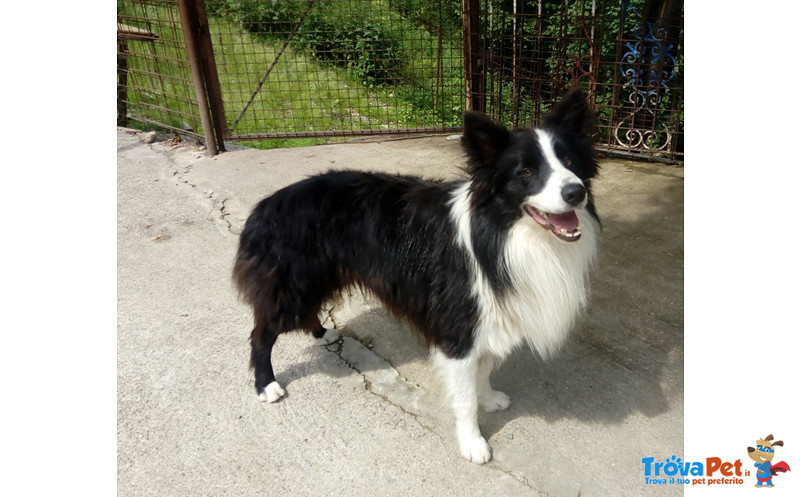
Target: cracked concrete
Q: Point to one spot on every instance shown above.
(364, 416)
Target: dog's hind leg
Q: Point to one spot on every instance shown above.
(460, 378)
(324, 336)
(261, 342)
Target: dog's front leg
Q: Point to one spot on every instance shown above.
(490, 399)
(460, 381)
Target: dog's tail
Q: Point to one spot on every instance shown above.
(251, 267)
(284, 292)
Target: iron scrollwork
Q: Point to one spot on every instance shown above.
(647, 67)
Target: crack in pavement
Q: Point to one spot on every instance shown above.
(384, 381)
(180, 168)
(349, 349)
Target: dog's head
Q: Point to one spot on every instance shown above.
(764, 450)
(542, 172)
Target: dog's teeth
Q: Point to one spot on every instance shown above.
(573, 234)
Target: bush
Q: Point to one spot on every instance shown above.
(363, 43)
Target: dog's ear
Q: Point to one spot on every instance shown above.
(483, 140)
(572, 113)
(778, 442)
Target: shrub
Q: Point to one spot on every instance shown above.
(363, 45)
(361, 41)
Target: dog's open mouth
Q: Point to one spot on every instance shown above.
(564, 226)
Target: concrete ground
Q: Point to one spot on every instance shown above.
(363, 416)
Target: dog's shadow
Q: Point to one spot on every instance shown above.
(588, 380)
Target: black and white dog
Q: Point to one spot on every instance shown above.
(478, 266)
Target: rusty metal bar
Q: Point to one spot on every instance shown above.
(175, 129)
(126, 32)
(515, 62)
(211, 76)
(190, 25)
(474, 77)
(346, 133)
(122, 84)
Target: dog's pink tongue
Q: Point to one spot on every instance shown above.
(567, 221)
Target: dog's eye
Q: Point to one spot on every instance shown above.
(526, 172)
(568, 161)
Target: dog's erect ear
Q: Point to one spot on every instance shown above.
(573, 113)
(483, 139)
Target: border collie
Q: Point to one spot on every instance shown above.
(478, 266)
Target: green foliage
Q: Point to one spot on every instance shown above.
(350, 64)
(361, 44)
(360, 40)
(558, 49)
(382, 44)
(431, 14)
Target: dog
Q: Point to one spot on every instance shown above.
(477, 266)
(763, 454)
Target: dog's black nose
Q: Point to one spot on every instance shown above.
(573, 193)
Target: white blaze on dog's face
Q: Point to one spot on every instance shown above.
(541, 173)
(554, 197)
(558, 191)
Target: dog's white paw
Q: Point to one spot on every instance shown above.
(475, 450)
(272, 393)
(328, 338)
(494, 400)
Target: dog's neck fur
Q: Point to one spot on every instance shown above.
(548, 281)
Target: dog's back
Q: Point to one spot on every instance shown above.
(390, 235)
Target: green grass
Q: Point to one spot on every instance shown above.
(302, 92)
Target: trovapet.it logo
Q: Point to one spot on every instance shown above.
(715, 470)
(674, 471)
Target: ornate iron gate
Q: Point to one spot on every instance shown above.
(626, 55)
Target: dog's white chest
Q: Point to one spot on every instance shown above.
(549, 288)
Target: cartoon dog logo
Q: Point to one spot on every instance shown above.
(762, 455)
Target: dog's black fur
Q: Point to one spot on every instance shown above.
(395, 236)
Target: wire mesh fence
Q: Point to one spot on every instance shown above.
(337, 67)
(154, 81)
(319, 68)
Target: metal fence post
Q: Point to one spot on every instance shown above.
(122, 83)
(211, 76)
(190, 26)
(474, 63)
